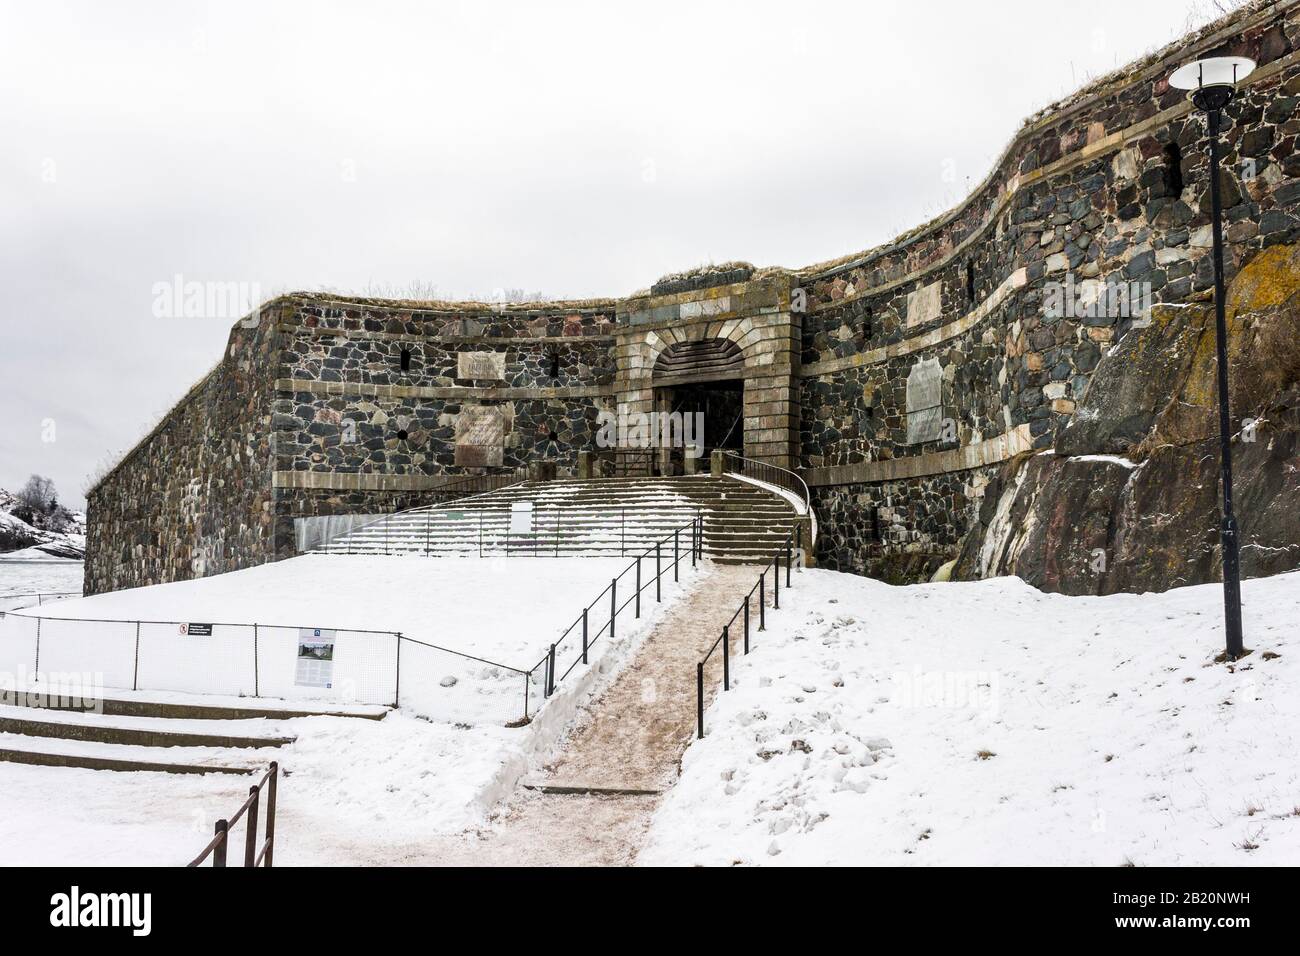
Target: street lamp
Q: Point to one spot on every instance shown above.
(1213, 82)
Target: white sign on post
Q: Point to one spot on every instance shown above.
(521, 517)
(315, 658)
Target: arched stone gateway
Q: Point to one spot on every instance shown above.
(729, 351)
(703, 383)
(710, 359)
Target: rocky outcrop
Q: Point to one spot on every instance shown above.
(1128, 499)
(57, 533)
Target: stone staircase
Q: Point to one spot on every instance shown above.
(134, 734)
(743, 523)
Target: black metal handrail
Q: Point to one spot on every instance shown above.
(630, 462)
(767, 472)
(695, 528)
(253, 854)
(792, 545)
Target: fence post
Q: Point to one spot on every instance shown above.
(699, 699)
(659, 594)
(726, 657)
(676, 553)
(787, 561)
(270, 813)
(550, 671)
(135, 671)
(256, 682)
(638, 586)
(584, 635)
(746, 623)
(613, 605)
(250, 834)
(36, 671)
(776, 582)
(693, 524)
(397, 679)
(219, 851)
(762, 601)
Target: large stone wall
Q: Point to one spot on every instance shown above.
(905, 381)
(194, 497)
(359, 427)
(1113, 187)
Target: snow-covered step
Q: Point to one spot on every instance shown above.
(588, 518)
(89, 755)
(176, 705)
(142, 731)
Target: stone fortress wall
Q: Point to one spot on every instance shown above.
(1112, 186)
(902, 382)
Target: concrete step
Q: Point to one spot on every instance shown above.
(192, 706)
(589, 517)
(120, 757)
(141, 731)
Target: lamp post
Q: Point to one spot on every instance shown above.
(1212, 82)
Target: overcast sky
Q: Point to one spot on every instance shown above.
(574, 149)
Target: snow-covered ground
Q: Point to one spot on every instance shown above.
(355, 789)
(502, 612)
(989, 723)
(504, 609)
(31, 571)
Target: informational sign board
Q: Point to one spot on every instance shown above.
(521, 517)
(196, 630)
(315, 658)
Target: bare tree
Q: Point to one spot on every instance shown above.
(38, 494)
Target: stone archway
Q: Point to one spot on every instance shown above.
(743, 333)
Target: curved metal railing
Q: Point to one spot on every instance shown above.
(767, 472)
(778, 477)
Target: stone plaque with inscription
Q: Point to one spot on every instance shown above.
(480, 436)
(925, 303)
(481, 366)
(924, 401)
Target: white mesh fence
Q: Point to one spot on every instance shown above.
(444, 685)
(262, 660)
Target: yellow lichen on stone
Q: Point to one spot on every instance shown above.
(1265, 282)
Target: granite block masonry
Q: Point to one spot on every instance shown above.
(902, 382)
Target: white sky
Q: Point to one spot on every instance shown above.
(576, 149)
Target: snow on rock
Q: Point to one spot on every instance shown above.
(990, 723)
(59, 534)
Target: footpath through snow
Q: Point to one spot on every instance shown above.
(989, 723)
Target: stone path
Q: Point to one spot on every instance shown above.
(632, 737)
